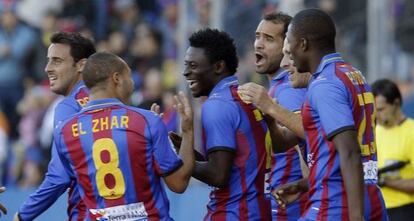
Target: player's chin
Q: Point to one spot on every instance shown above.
(195, 93)
(294, 84)
(55, 88)
(261, 69)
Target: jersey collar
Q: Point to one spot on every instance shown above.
(77, 87)
(328, 59)
(225, 82)
(101, 103)
(280, 75)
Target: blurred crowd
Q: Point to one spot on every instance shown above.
(145, 34)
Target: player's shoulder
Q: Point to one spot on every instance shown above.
(323, 82)
(75, 100)
(223, 94)
(326, 88)
(144, 114)
(66, 122)
(65, 109)
(220, 103)
(68, 102)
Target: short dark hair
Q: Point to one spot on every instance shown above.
(279, 18)
(100, 66)
(315, 25)
(387, 89)
(80, 47)
(218, 45)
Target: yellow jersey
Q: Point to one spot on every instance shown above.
(396, 144)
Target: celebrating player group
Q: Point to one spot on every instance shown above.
(303, 150)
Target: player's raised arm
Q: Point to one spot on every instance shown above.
(178, 180)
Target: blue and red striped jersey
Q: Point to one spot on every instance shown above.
(118, 155)
(170, 119)
(339, 99)
(57, 181)
(231, 124)
(286, 166)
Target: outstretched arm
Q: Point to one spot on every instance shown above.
(56, 182)
(282, 138)
(257, 95)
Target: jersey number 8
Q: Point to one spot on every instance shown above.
(109, 179)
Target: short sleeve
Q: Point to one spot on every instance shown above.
(291, 98)
(166, 161)
(63, 111)
(331, 101)
(220, 122)
(56, 182)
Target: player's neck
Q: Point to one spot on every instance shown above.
(273, 74)
(397, 120)
(270, 76)
(72, 87)
(99, 93)
(316, 58)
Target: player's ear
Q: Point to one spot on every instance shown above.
(303, 44)
(116, 78)
(219, 66)
(397, 102)
(80, 65)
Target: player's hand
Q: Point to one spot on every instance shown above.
(176, 140)
(2, 208)
(156, 109)
(184, 109)
(256, 94)
(287, 193)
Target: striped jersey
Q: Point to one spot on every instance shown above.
(118, 155)
(339, 99)
(57, 181)
(286, 166)
(229, 123)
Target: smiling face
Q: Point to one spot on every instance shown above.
(297, 80)
(62, 71)
(199, 72)
(268, 47)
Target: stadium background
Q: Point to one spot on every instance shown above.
(151, 35)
